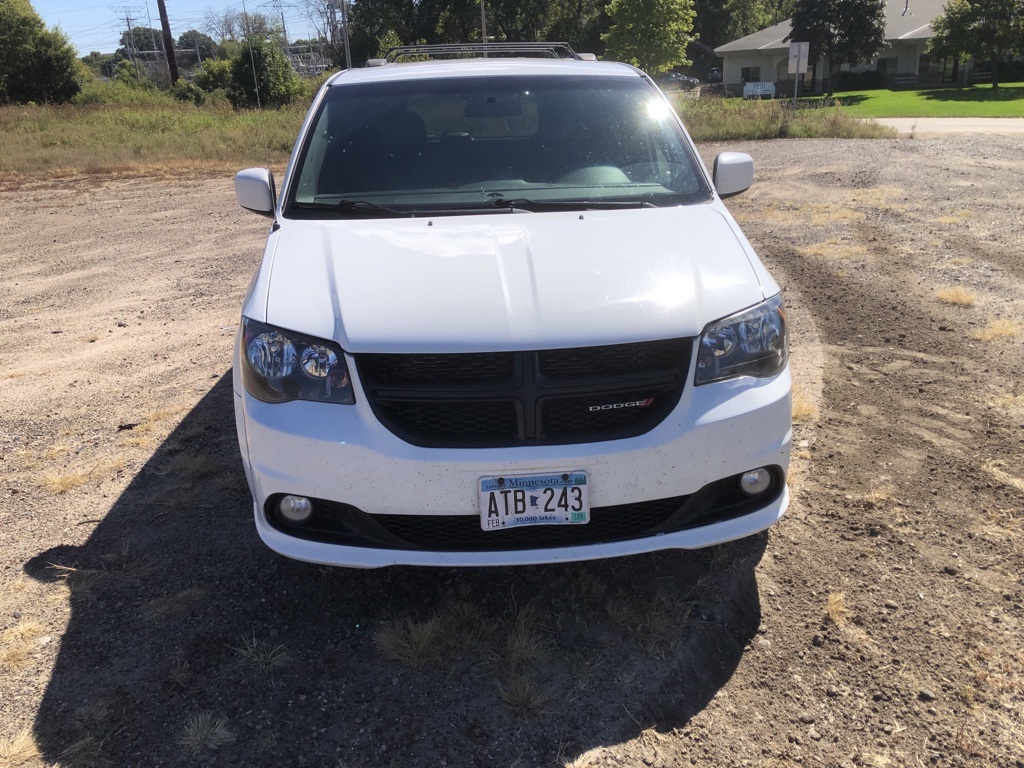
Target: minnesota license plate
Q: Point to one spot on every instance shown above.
(519, 500)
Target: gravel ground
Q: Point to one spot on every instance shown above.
(879, 624)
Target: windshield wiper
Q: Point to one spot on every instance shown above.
(354, 207)
(524, 204)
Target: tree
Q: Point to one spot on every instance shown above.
(370, 20)
(517, 20)
(652, 34)
(578, 22)
(986, 29)
(850, 31)
(141, 42)
(261, 75)
(196, 46)
(36, 63)
(238, 26)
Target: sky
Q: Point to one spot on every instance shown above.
(98, 27)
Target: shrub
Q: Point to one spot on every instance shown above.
(213, 74)
(261, 75)
(122, 93)
(731, 119)
(185, 90)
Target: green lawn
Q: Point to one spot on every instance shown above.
(975, 101)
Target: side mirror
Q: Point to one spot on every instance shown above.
(254, 190)
(733, 173)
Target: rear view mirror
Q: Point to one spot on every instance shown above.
(492, 107)
(254, 190)
(733, 173)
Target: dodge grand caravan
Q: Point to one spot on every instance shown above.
(504, 317)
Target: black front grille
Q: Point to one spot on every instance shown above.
(614, 359)
(554, 396)
(470, 420)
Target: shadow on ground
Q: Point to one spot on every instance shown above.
(191, 643)
(975, 94)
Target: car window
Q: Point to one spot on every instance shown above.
(465, 144)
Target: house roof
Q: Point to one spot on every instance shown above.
(904, 20)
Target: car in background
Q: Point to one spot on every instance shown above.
(674, 81)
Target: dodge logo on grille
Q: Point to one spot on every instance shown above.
(616, 406)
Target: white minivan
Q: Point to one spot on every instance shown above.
(503, 317)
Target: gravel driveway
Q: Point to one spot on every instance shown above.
(879, 624)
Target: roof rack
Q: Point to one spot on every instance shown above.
(474, 50)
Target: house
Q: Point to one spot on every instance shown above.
(764, 56)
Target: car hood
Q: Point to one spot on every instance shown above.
(512, 280)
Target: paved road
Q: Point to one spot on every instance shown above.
(953, 126)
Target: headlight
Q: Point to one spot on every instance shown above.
(280, 365)
(751, 343)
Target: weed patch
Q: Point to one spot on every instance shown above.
(956, 296)
(998, 329)
(836, 610)
(205, 731)
(713, 119)
(21, 749)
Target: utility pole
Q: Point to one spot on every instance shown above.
(130, 47)
(172, 63)
(483, 23)
(344, 34)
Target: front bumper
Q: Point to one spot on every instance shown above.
(341, 453)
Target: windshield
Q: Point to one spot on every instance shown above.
(493, 144)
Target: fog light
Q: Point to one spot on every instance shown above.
(756, 481)
(295, 509)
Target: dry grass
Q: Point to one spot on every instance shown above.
(878, 498)
(409, 642)
(79, 581)
(998, 329)
(15, 643)
(86, 753)
(197, 466)
(954, 218)
(262, 656)
(997, 469)
(524, 697)
(833, 249)
(654, 623)
(55, 451)
(731, 119)
(956, 296)
(205, 731)
(457, 631)
(836, 610)
(805, 410)
(145, 139)
(1008, 401)
(173, 605)
(59, 484)
(20, 749)
(523, 647)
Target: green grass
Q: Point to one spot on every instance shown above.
(973, 101)
(114, 129)
(67, 140)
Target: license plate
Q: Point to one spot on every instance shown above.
(520, 500)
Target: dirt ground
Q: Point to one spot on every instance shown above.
(142, 623)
